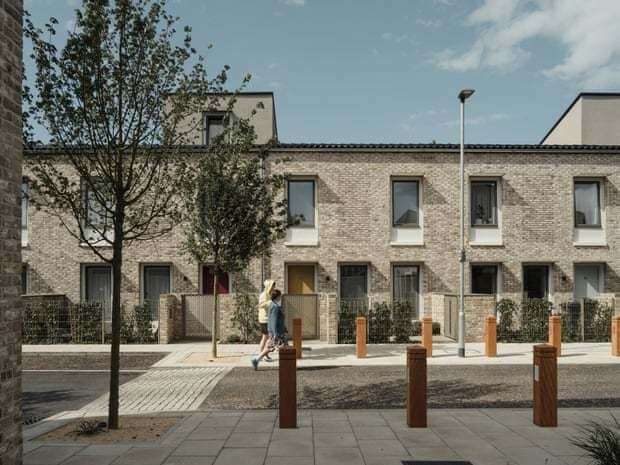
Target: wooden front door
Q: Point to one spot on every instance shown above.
(301, 279)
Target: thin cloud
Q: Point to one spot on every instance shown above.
(479, 120)
(293, 2)
(589, 36)
(430, 23)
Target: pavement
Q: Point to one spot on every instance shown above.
(343, 437)
(319, 354)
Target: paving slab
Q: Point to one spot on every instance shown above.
(89, 460)
(241, 456)
(50, 455)
(208, 447)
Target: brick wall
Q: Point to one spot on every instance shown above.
(353, 204)
(10, 251)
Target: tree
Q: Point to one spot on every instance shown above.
(234, 211)
(118, 102)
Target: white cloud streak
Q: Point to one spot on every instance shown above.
(588, 33)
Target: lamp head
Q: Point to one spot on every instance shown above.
(465, 94)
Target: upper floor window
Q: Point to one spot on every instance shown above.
(214, 126)
(405, 203)
(98, 214)
(301, 202)
(484, 203)
(24, 197)
(588, 204)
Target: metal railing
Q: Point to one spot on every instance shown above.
(387, 322)
(57, 322)
(584, 320)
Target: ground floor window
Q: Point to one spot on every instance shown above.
(484, 279)
(406, 284)
(588, 280)
(98, 286)
(353, 282)
(156, 281)
(536, 281)
(208, 277)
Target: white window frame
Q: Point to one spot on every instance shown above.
(205, 119)
(486, 235)
(305, 236)
(407, 235)
(590, 235)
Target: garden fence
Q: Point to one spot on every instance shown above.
(582, 321)
(58, 322)
(394, 322)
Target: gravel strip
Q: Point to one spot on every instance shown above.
(87, 361)
(507, 386)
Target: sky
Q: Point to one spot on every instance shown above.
(369, 71)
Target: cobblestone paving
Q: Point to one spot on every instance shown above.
(161, 390)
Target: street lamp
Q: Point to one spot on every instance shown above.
(463, 95)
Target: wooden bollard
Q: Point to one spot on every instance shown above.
(416, 386)
(427, 335)
(297, 336)
(360, 337)
(490, 336)
(288, 387)
(615, 336)
(555, 333)
(545, 385)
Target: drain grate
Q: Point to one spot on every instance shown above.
(31, 420)
(435, 462)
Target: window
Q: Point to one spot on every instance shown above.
(484, 203)
(405, 203)
(24, 279)
(214, 126)
(406, 284)
(98, 215)
(588, 280)
(301, 203)
(156, 282)
(536, 281)
(223, 281)
(98, 286)
(484, 279)
(24, 196)
(353, 282)
(587, 204)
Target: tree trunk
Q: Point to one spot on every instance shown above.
(117, 263)
(214, 331)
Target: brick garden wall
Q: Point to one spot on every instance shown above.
(10, 249)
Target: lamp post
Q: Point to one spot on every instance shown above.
(463, 95)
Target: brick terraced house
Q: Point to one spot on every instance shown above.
(381, 223)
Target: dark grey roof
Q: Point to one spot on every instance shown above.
(430, 146)
(49, 150)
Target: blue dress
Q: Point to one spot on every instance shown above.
(275, 322)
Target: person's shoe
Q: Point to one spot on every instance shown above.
(255, 363)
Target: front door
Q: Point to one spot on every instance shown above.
(301, 279)
(587, 281)
(156, 283)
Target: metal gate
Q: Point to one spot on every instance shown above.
(197, 315)
(306, 307)
(450, 317)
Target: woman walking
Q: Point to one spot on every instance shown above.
(264, 302)
(276, 327)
